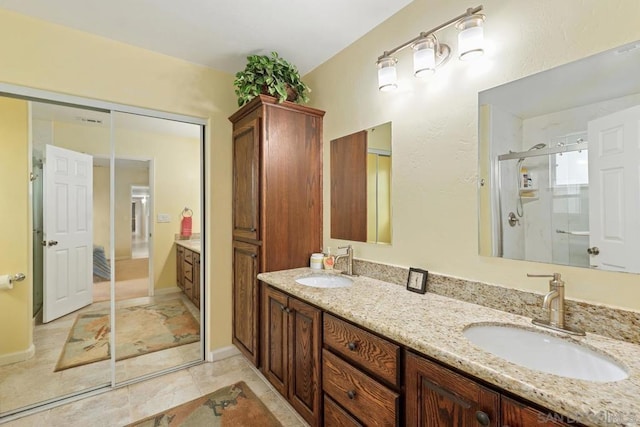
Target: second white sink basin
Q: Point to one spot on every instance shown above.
(544, 352)
(325, 281)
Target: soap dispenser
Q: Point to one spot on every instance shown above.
(328, 260)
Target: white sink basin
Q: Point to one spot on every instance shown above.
(545, 352)
(325, 281)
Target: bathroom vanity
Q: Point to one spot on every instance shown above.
(402, 359)
(188, 269)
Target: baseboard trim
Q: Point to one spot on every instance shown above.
(165, 291)
(222, 353)
(18, 356)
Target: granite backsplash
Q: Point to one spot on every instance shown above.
(612, 322)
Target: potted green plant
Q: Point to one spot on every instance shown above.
(270, 75)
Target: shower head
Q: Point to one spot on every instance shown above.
(535, 147)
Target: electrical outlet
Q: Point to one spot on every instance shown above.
(164, 217)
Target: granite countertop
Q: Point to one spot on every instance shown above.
(433, 325)
(192, 245)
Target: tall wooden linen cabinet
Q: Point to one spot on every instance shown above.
(277, 202)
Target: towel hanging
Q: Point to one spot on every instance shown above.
(186, 224)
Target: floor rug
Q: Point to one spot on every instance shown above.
(235, 405)
(166, 324)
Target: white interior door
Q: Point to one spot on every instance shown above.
(614, 190)
(68, 232)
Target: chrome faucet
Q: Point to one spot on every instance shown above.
(554, 303)
(349, 256)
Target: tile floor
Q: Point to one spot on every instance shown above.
(137, 401)
(34, 380)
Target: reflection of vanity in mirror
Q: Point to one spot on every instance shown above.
(560, 164)
(361, 186)
(99, 306)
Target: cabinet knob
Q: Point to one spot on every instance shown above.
(352, 346)
(252, 230)
(351, 394)
(593, 251)
(285, 309)
(483, 418)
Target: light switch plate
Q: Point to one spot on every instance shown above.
(164, 217)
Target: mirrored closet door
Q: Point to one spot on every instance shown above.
(157, 194)
(103, 205)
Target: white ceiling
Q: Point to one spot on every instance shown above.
(220, 34)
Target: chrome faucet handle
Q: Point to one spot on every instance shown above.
(555, 282)
(556, 276)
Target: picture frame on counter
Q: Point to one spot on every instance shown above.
(417, 280)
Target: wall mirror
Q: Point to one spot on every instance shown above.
(361, 186)
(97, 203)
(559, 164)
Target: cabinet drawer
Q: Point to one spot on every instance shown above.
(368, 400)
(335, 416)
(187, 271)
(374, 354)
(188, 256)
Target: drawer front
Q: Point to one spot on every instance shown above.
(368, 400)
(187, 271)
(375, 354)
(335, 416)
(188, 256)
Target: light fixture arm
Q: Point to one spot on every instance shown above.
(469, 12)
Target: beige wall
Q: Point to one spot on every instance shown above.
(15, 304)
(435, 136)
(51, 57)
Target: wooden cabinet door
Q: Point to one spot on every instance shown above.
(516, 414)
(196, 280)
(246, 299)
(436, 396)
(179, 263)
(275, 357)
(349, 187)
(305, 326)
(246, 169)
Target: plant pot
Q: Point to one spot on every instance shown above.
(292, 94)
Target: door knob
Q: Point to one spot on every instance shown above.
(52, 242)
(593, 251)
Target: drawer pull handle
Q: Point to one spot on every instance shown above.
(483, 418)
(351, 394)
(352, 346)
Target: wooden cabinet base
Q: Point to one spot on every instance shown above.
(291, 341)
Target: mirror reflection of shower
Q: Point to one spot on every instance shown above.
(523, 179)
(552, 187)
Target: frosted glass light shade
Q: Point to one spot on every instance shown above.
(387, 76)
(424, 57)
(471, 37)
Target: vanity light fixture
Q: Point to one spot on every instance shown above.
(387, 75)
(429, 53)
